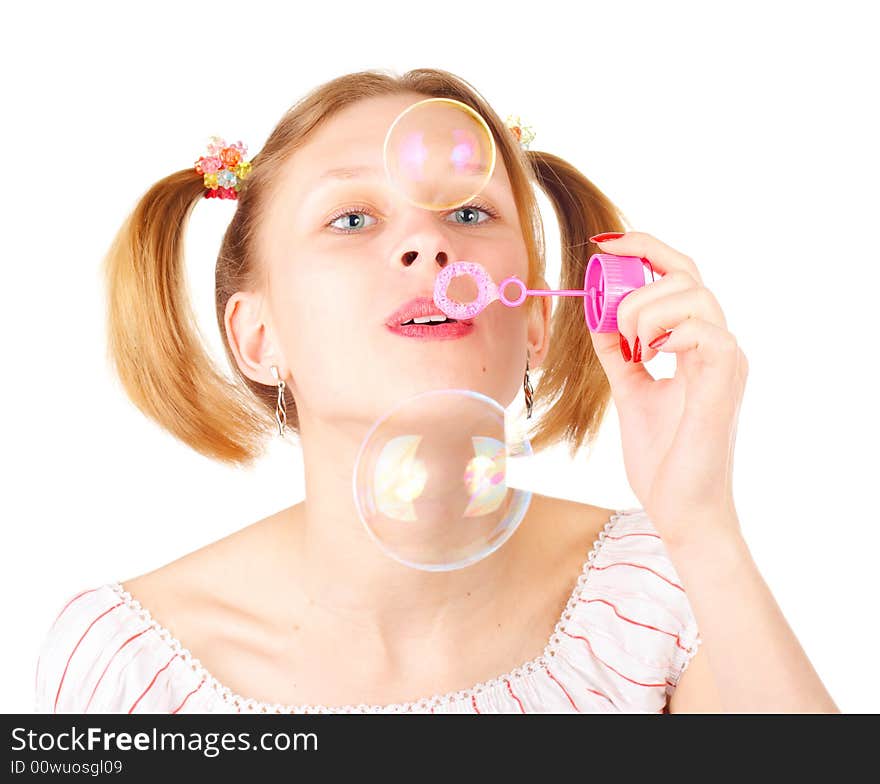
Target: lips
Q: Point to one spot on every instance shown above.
(419, 307)
(456, 329)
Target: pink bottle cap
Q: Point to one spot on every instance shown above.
(607, 281)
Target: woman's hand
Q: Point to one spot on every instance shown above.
(678, 434)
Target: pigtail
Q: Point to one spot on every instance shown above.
(573, 383)
(154, 344)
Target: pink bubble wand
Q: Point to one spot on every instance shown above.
(607, 280)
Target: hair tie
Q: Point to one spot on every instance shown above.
(524, 133)
(223, 168)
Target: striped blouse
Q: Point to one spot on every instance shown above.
(625, 636)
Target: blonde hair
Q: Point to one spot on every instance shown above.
(153, 340)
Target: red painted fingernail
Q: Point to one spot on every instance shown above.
(637, 350)
(608, 235)
(624, 348)
(659, 340)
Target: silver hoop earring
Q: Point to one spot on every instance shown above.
(527, 388)
(280, 405)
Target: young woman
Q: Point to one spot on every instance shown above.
(584, 609)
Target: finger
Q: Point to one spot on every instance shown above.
(635, 300)
(625, 378)
(711, 362)
(666, 313)
(662, 257)
(707, 343)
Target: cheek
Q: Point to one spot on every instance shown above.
(317, 313)
(507, 259)
(505, 330)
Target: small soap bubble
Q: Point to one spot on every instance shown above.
(439, 153)
(435, 479)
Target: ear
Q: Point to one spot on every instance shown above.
(539, 328)
(250, 339)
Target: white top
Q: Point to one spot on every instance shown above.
(620, 645)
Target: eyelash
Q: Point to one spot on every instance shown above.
(361, 208)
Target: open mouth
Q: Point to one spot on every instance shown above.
(433, 328)
(429, 320)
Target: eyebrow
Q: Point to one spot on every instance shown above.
(353, 172)
(348, 172)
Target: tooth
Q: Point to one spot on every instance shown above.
(424, 320)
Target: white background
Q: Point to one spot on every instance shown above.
(743, 135)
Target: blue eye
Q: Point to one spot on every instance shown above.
(361, 210)
(472, 208)
(348, 215)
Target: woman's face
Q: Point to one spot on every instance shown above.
(344, 252)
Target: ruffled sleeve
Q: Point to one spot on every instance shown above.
(102, 656)
(689, 640)
(92, 630)
(631, 631)
(66, 637)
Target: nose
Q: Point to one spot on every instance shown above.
(410, 257)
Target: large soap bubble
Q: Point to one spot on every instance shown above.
(439, 153)
(435, 480)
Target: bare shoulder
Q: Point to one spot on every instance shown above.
(576, 518)
(565, 530)
(205, 587)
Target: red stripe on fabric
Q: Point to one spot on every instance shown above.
(190, 695)
(64, 674)
(636, 623)
(619, 592)
(474, 702)
(510, 689)
(637, 683)
(623, 536)
(82, 593)
(107, 666)
(599, 694)
(639, 566)
(161, 670)
(565, 692)
(90, 590)
(634, 655)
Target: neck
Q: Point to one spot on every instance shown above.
(337, 574)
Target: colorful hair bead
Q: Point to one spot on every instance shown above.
(223, 168)
(524, 133)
